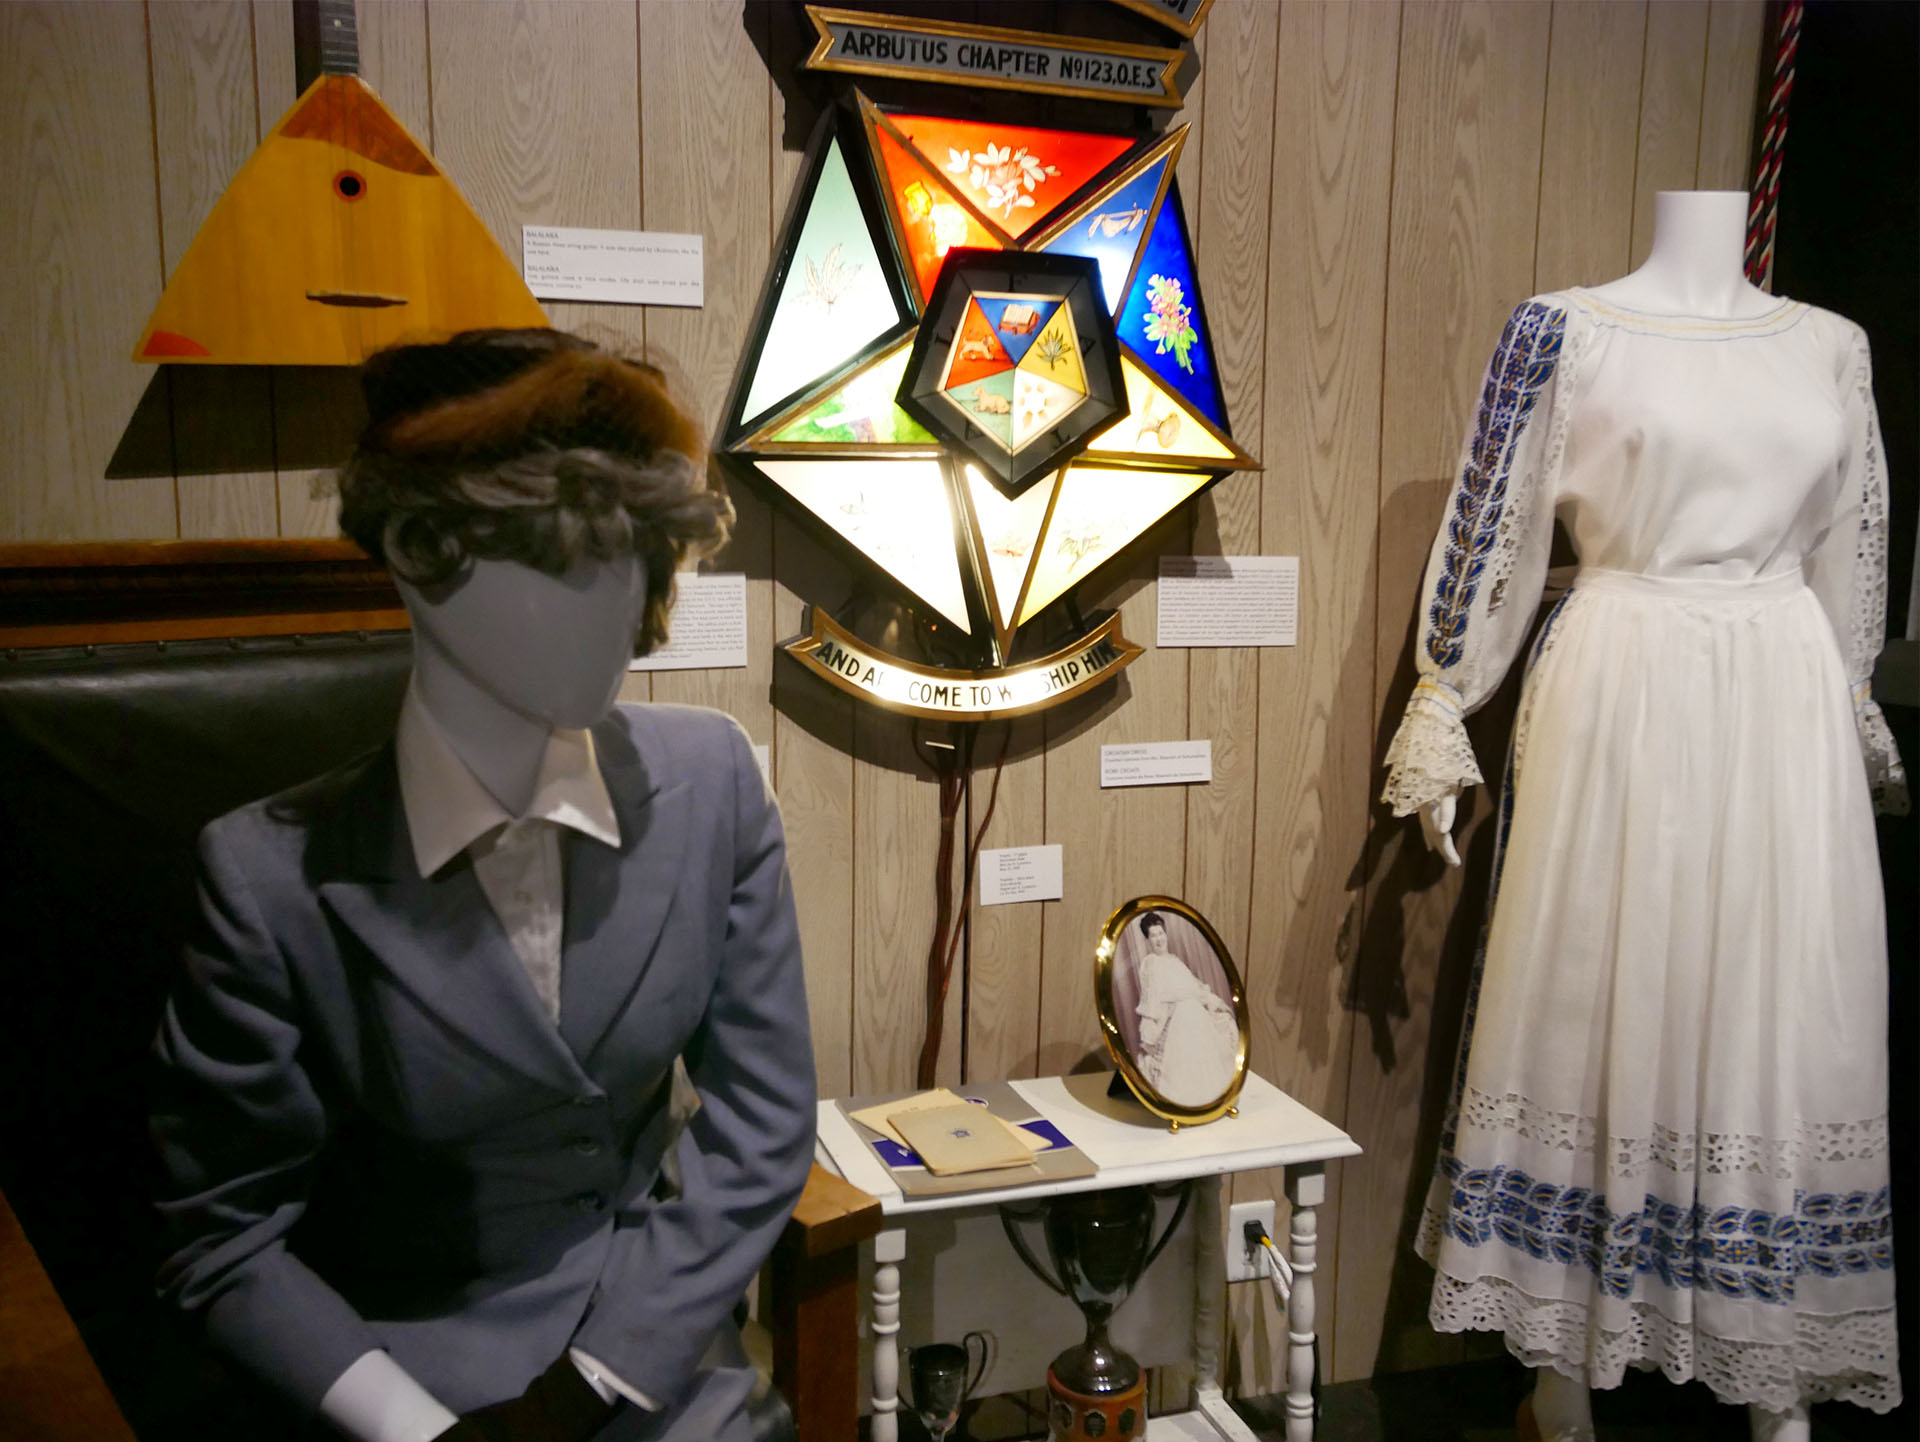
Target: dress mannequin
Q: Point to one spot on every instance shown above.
(1693, 285)
(429, 1156)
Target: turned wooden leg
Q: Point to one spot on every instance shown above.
(1209, 1282)
(1306, 1190)
(889, 1250)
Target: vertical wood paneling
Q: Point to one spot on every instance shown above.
(206, 125)
(1004, 951)
(1332, 117)
(1670, 84)
(813, 776)
(1588, 146)
(896, 820)
(81, 241)
(1223, 684)
(1472, 90)
(1119, 843)
(1736, 36)
(705, 171)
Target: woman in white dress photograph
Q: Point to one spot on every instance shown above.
(1189, 1041)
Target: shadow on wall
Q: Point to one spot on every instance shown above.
(1391, 964)
(225, 420)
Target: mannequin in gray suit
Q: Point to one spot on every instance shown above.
(425, 1176)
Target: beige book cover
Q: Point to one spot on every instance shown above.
(957, 1139)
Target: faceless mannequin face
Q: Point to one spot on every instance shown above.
(552, 648)
(506, 654)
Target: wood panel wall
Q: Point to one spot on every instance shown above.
(1373, 186)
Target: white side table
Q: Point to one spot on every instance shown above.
(1132, 1148)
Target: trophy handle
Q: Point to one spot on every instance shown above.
(986, 1360)
(1186, 1195)
(1008, 1215)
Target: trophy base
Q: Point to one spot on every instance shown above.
(1112, 1416)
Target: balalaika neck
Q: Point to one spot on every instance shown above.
(339, 38)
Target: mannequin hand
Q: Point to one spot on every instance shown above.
(559, 1405)
(1436, 826)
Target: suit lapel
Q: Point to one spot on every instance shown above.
(618, 901)
(439, 938)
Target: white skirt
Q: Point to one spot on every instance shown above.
(1668, 1142)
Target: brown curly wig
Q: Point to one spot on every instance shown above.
(532, 446)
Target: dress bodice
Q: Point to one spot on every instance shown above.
(1703, 448)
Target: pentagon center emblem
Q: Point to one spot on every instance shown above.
(981, 369)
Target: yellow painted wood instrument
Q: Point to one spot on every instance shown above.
(340, 235)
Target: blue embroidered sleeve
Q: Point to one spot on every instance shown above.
(1489, 560)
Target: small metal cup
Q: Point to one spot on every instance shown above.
(943, 1378)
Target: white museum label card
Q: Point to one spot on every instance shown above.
(1229, 601)
(628, 267)
(1156, 763)
(1019, 873)
(708, 629)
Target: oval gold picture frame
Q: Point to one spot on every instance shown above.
(1121, 1038)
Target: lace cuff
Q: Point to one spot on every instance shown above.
(1430, 758)
(1886, 777)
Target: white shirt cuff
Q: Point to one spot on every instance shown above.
(376, 1400)
(606, 1384)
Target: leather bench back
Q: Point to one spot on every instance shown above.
(111, 760)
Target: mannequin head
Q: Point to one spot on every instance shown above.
(533, 497)
(551, 648)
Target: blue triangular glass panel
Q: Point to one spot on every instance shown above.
(1163, 319)
(1112, 234)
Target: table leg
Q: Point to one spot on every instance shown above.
(889, 1250)
(1306, 1190)
(1210, 1281)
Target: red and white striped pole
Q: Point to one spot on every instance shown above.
(1764, 207)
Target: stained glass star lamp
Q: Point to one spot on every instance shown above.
(981, 362)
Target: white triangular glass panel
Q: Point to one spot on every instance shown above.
(1101, 509)
(835, 298)
(897, 513)
(1009, 533)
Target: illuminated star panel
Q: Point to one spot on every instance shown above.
(981, 361)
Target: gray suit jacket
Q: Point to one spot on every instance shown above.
(373, 1137)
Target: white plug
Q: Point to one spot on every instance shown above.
(1247, 1260)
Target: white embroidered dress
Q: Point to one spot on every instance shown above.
(1668, 1142)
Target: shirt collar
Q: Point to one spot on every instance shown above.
(448, 809)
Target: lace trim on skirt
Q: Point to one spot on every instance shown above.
(1849, 1357)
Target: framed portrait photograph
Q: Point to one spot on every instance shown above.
(1172, 1009)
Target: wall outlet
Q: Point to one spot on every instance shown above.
(1244, 1263)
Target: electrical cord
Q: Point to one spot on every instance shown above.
(1281, 1272)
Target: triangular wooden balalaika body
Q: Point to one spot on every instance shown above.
(339, 235)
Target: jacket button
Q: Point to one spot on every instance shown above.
(589, 1202)
(586, 1146)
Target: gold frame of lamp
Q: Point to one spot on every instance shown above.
(1112, 998)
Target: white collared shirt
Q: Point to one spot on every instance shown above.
(516, 860)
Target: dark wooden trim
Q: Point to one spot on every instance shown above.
(100, 592)
(50, 1388)
(813, 1284)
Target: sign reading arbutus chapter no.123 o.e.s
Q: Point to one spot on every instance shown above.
(981, 369)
